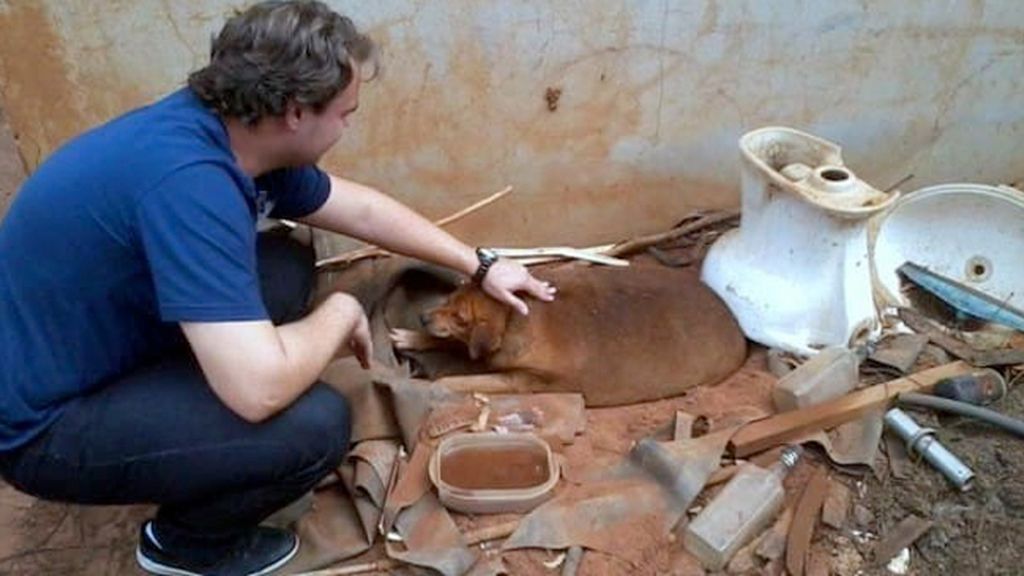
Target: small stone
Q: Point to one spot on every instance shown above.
(863, 516)
(900, 564)
(836, 506)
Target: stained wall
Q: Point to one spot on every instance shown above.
(609, 118)
(12, 169)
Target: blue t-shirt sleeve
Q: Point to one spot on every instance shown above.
(199, 236)
(295, 192)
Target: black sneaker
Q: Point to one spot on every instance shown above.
(259, 552)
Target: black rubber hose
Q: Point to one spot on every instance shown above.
(1012, 425)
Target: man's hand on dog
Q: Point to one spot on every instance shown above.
(506, 278)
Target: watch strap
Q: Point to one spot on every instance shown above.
(487, 259)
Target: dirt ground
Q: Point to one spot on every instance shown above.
(979, 532)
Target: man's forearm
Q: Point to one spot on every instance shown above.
(409, 233)
(369, 215)
(257, 369)
(311, 343)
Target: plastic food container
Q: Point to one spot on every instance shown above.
(492, 473)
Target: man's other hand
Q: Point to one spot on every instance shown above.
(358, 343)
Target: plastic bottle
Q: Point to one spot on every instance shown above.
(744, 507)
(828, 375)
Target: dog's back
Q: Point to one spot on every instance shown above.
(623, 335)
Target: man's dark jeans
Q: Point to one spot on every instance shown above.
(160, 435)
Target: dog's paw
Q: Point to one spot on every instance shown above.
(403, 339)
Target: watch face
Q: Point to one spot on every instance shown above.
(488, 254)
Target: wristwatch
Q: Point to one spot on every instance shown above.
(487, 258)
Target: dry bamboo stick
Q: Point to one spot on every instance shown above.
(638, 244)
(474, 207)
(371, 251)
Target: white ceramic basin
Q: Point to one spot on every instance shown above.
(970, 233)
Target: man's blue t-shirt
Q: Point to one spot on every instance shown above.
(122, 233)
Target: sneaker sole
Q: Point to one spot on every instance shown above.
(164, 570)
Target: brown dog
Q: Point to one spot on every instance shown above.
(618, 336)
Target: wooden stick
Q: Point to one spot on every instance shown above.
(560, 252)
(798, 541)
(474, 207)
(788, 426)
(351, 256)
(371, 251)
(474, 537)
(638, 244)
(590, 250)
(377, 566)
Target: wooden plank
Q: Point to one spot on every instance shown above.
(781, 428)
(806, 517)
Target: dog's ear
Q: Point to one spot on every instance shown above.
(484, 340)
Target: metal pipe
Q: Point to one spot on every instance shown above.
(922, 441)
(1007, 423)
(572, 561)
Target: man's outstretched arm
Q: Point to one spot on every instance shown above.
(373, 217)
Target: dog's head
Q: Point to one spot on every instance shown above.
(472, 317)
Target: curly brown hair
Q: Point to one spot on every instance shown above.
(281, 51)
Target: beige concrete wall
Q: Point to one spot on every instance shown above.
(12, 170)
(653, 95)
